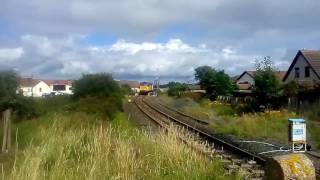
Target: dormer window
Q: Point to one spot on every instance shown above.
(296, 72)
(307, 71)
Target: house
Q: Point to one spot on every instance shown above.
(60, 86)
(134, 85)
(245, 81)
(196, 88)
(305, 68)
(33, 87)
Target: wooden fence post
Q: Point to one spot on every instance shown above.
(6, 118)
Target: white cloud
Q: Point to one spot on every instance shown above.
(173, 45)
(8, 54)
(66, 57)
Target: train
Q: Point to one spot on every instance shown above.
(145, 88)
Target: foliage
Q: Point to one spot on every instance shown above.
(96, 85)
(71, 147)
(214, 82)
(291, 89)
(8, 87)
(98, 94)
(126, 89)
(176, 88)
(266, 83)
(23, 107)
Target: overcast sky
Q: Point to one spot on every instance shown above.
(141, 39)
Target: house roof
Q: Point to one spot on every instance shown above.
(132, 84)
(279, 74)
(313, 59)
(194, 87)
(244, 86)
(58, 82)
(28, 82)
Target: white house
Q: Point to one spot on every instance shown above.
(305, 68)
(32, 87)
(60, 86)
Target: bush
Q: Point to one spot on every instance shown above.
(23, 107)
(106, 107)
(96, 85)
(176, 89)
(98, 94)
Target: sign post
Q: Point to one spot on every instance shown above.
(297, 135)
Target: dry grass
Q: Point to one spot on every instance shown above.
(79, 147)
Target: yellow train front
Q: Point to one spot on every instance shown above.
(145, 88)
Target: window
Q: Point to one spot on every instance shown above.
(40, 90)
(296, 72)
(59, 87)
(307, 71)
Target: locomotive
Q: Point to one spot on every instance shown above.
(145, 88)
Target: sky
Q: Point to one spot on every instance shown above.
(145, 39)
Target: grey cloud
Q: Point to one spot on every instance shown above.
(251, 29)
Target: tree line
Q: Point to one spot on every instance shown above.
(267, 87)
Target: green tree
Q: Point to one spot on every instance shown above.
(96, 85)
(291, 89)
(176, 88)
(8, 86)
(98, 94)
(214, 82)
(126, 89)
(23, 107)
(266, 83)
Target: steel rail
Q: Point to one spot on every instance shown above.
(208, 136)
(184, 114)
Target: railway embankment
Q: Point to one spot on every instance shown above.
(265, 150)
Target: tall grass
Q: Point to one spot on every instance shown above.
(78, 146)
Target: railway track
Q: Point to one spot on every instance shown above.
(265, 150)
(235, 158)
(315, 157)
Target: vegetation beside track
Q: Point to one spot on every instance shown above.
(79, 146)
(271, 126)
(88, 137)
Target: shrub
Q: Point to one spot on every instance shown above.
(9, 99)
(98, 94)
(96, 85)
(176, 89)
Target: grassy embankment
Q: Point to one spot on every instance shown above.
(77, 145)
(223, 118)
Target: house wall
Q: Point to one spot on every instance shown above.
(67, 91)
(301, 63)
(40, 89)
(26, 91)
(246, 78)
(36, 91)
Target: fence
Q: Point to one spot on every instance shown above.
(6, 129)
(235, 100)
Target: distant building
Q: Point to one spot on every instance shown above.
(196, 88)
(134, 85)
(37, 88)
(60, 86)
(33, 87)
(305, 68)
(245, 81)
